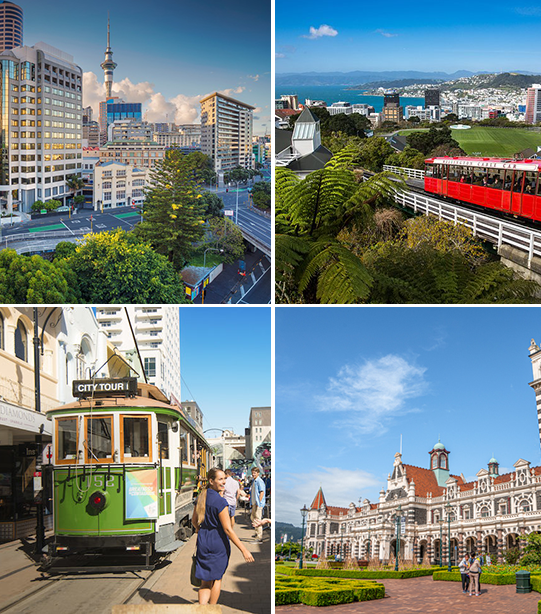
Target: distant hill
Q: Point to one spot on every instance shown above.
(293, 532)
(356, 77)
(513, 79)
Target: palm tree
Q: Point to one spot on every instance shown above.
(74, 183)
(312, 265)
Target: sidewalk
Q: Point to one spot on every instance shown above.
(246, 587)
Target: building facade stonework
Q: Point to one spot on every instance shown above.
(486, 515)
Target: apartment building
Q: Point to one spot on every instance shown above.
(155, 338)
(133, 152)
(226, 132)
(41, 125)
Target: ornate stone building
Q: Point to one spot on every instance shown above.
(425, 505)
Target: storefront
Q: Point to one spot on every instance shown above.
(23, 436)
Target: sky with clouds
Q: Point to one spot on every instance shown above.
(169, 54)
(352, 382)
(478, 36)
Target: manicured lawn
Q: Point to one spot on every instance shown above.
(210, 261)
(496, 142)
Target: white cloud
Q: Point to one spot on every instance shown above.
(279, 56)
(323, 30)
(529, 11)
(181, 109)
(386, 34)
(254, 77)
(373, 392)
(340, 487)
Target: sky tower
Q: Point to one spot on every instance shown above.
(108, 65)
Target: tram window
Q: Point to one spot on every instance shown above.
(99, 438)
(508, 180)
(194, 452)
(479, 176)
(430, 170)
(538, 192)
(183, 445)
(517, 181)
(529, 182)
(496, 179)
(136, 429)
(66, 438)
(163, 439)
(454, 173)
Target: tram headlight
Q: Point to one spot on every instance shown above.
(98, 500)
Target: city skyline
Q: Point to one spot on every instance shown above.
(464, 37)
(355, 386)
(167, 69)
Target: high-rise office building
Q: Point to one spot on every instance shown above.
(226, 132)
(533, 104)
(391, 98)
(41, 139)
(432, 97)
(113, 109)
(157, 336)
(11, 26)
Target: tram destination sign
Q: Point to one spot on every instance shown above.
(85, 388)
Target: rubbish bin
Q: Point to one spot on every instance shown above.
(523, 581)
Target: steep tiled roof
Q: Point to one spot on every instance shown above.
(319, 500)
(425, 481)
(336, 511)
(283, 113)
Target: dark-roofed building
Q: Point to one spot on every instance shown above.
(300, 149)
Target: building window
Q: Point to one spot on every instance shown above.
(2, 346)
(21, 342)
(150, 367)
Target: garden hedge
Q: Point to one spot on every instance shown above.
(325, 591)
(350, 573)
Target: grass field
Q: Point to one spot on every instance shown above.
(494, 142)
(497, 142)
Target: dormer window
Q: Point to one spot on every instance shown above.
(434, 462)
(304, 131)
(443, 462)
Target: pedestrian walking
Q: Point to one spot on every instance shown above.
(464, 566)
(231, 494)
(213, 526)
(474, 571)
(257, 502)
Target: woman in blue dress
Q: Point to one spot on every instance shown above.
(213, 525)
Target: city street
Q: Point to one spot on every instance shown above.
(25, 590)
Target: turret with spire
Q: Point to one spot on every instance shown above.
(108, 65)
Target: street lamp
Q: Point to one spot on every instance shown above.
(214, 249)
(441, 521)
(342, 531)
(304, 511)
(397, 518)
(369, 542)
(448, 508)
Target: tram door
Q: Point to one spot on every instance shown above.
(166, 477)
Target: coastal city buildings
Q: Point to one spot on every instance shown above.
(486, 515)
(259, 429)
(226, 132)
(42, 124)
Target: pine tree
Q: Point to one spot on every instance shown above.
(174, 209)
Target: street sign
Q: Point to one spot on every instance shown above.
(229, 212)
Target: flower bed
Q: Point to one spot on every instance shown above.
(325, 591)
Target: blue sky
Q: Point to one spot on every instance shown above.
(491, 36)
(225, 362)
(171, 53)
(351, 381)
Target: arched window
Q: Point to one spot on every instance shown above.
(524, 506)
(434, 462)
(21, 342)
(443, 461)
(484, 512)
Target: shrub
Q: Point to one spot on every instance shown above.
(486, 578)
(325, 591)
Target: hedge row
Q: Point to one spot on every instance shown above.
(366, 575)
(486, 578)
(323, 592)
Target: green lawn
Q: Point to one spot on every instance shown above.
(496, 142)
(212, 259)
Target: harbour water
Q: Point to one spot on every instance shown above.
(337, 93)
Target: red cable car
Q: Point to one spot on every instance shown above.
(508, 186)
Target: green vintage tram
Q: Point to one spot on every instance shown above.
(127, 466)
